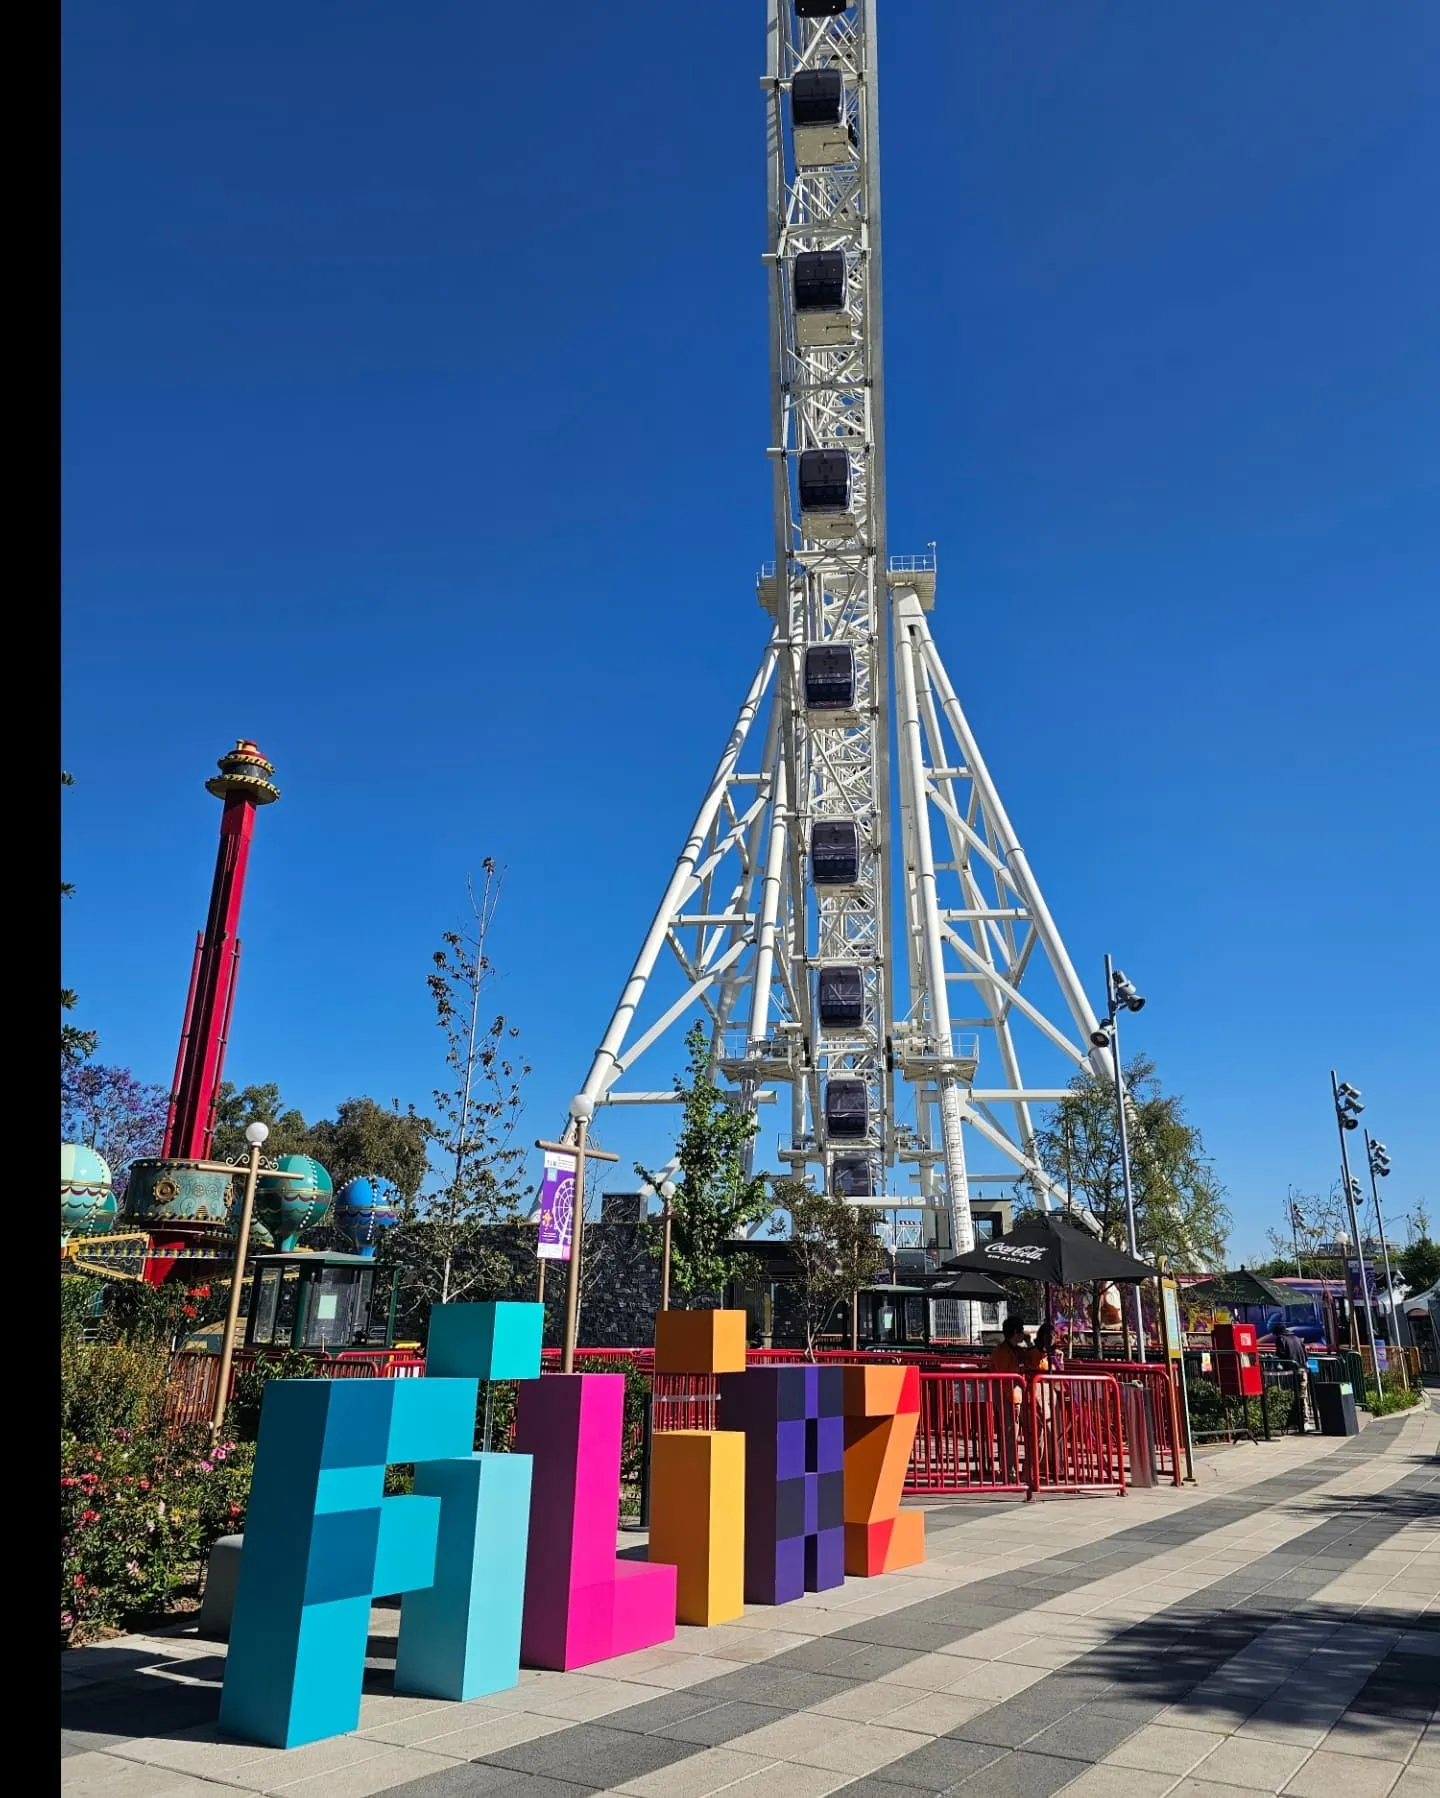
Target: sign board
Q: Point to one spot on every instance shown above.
(557, 1207)
(1170, 1319)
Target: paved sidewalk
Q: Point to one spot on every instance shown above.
(1276, 1629)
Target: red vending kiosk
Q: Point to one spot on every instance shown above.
(1237, 1360)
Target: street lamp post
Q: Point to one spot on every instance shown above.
(1347, 1117)
(1120, 996)
(667, 1193)
(582, 1109)
(1379, 1158)
(255, 1135)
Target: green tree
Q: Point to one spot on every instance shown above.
(237, 1107)
(442, 1242)
(715, 1198)
(76, 1045)
(836, 1253)
(365, 1137)
(1418, 1264)
(1179, 1202)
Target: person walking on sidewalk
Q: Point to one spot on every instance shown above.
(1291, 1352)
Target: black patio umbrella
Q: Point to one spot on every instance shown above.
(968, 1286)
(1241, 1287)
(1057, 1253)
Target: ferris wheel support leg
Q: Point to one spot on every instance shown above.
(770, 904)
(606, 1064)
(920, 856)
(1015, 861)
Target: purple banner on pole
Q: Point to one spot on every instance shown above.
(557, 1207)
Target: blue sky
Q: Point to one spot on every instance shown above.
(415, 418)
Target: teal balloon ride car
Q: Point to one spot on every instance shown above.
(288, 1207)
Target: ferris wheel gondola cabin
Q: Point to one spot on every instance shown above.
(820, 282)
(824, 490)
(852, 1177)
(847, 1110)
(834, 852)
(819, 129)
(830, 678)
(840, 997)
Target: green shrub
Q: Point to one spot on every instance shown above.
(242, 1419)
(105, 1387)
(137, 1516)
(1392, 1397)
(1211, 1412)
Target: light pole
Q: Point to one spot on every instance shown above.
(1379, 1158)
(255, 1135)
(582, 1109)
(1120, 996)
(667, 1193)
(1347, 1117)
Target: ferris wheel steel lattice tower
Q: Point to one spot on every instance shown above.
(851, 872)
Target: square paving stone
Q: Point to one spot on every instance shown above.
(792, 1690)
(470, 1781)
(657, 1713)
(1019, 1775)
(722, 1723)
(940, 1765)
(592, 1754)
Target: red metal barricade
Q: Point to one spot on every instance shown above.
(1162, 1393)
(1076, 1433)
(970, 1436)
(683, 1401)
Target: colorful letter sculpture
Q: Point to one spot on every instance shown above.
(581, 1604)
(460, 1637)
(794, 1477)
(697, 1477)
(322, 1540)
(882, 1410)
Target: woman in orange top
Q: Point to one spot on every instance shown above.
(1010, 1357)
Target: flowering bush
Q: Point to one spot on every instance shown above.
(137, 1515)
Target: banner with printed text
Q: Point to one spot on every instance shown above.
(557, 1207)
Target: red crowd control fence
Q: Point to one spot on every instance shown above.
(971, 1435)
(977, 1432)
(1017, 1433)
(1163, 1402)
(1076, 1433)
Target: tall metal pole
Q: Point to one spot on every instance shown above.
(1385, 1252)
(1354, 1221)
(577, 1244)
(1131, 1239)
(581, 1111)
(237, 1278)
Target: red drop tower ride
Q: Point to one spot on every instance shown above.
(243, 783)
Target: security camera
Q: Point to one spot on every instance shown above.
(1347, 1091)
